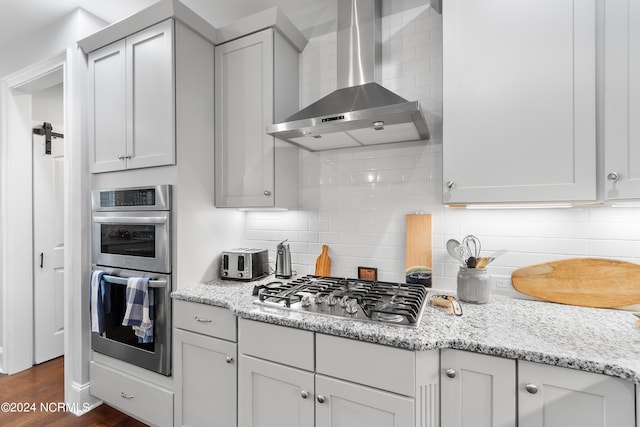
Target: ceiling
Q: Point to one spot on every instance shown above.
(23, 17)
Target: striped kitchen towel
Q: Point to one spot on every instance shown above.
(99, 301)
(139, 311)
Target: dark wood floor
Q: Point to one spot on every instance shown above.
(44, 383)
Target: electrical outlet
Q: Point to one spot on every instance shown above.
(503, 282)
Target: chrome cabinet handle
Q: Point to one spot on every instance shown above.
(451, 373)
(321, 398)
(267, 192)
(228, 359)
(531, 388)
(613, 177)
(125, 396)
(304, 394)
(451, 185)
(121, 157)
(201, 319)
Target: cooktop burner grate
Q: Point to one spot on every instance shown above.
(391, 303)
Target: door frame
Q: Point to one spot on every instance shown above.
(17, 323)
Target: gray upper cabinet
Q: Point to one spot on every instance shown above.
(132, 101)
(256, 85)
(519, 101)
(622, 100)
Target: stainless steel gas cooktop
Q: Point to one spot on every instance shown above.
(399, 304)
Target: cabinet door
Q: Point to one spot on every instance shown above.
(343, 404)
(244, 154)
(107, 113)
(549, 396)
(273, 395)
(622, 99)
(151, 101)
(205, 372)
(477, 390)
(518, 101)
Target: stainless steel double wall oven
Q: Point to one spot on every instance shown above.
(131, 237)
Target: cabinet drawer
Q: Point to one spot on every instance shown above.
(141, 399)
(363, 362)
(204, 319)
(289, 346)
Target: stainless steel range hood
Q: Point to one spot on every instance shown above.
(361, 112)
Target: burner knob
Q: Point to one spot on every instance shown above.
(332, 300)
(352, 307)
(344, 301)
(318, 298)
(306, 301)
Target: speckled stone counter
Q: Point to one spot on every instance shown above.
(593, 340)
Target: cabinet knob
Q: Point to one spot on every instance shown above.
(121, 157)
(304, 394)
(531, 388)
(613, 177)
(229, 359)
(321, 398)
(451, 185)
(267, 193)
(125, 396)
(451, 373)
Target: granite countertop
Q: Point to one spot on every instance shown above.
(588, 339)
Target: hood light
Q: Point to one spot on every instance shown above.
(378, 125)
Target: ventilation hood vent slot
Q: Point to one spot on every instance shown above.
(361, 112)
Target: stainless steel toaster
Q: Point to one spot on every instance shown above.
(244, 264)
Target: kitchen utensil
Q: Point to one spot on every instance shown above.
(484, 261)
(323, 262)
(446, 301)
(586, 282)
(418, 261)
(455, 249)
(283, 260)
(472, 245)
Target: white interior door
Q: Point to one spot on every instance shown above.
(48, 248)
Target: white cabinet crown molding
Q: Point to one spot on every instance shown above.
(158, 12)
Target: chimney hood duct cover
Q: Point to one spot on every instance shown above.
(362, 113)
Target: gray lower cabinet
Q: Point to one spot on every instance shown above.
(133, 395)
(549, 396)
(479, 390)
(301, 378)
(272, 394)
(204, 365)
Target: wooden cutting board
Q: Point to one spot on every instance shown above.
(418, 258)
(323, 262)
(587, 282)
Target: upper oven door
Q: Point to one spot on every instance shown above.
(133, 240)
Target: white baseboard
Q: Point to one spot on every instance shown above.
(79, 400)
(2, 361)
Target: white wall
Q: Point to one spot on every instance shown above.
(355, 200)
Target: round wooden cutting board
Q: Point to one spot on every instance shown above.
(588, 282)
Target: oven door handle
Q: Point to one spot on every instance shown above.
(130, 220)
(153, 283)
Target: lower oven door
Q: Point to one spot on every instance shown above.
(120, 341)
(135, 240)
